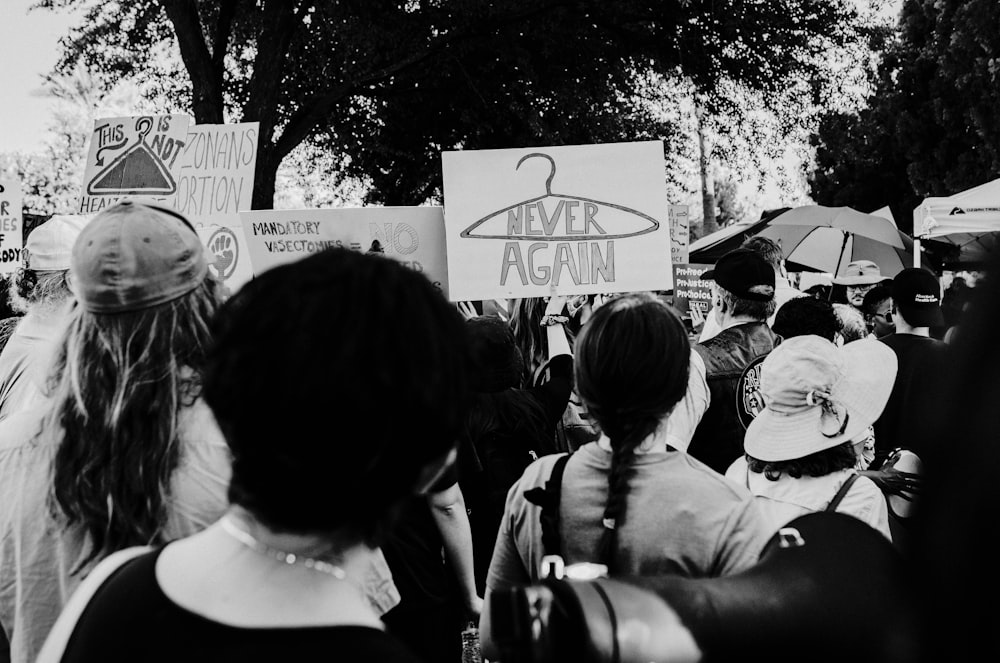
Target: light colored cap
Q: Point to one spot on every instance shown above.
(50, 245)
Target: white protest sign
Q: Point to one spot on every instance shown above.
(11, 227)
(576, 219)
(412, 235)
(215, 184)
(680, 233)
(133, 156)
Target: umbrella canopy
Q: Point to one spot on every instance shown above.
(828, 238)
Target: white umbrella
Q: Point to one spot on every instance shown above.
(828, 238)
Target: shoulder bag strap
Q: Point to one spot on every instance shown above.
(840, 493)
(549, 499)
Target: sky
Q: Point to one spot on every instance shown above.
(28, 49)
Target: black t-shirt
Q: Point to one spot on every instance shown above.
(912, 416)
(130, 619)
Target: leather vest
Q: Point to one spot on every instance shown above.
(718, 439)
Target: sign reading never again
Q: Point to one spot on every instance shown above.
(412, 235)
(573, 219)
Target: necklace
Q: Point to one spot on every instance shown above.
(247, 539)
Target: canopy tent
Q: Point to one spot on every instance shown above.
(969, 221)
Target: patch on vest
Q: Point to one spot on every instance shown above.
(749, 399)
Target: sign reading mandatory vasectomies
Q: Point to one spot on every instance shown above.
(412, 235)
(573, 220)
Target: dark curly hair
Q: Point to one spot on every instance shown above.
(821, 463)
(336, 379)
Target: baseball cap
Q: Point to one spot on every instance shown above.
(745, 274)
(49, 246)
(860, 272)
(134, 256)
(817, 396)
(916, 293)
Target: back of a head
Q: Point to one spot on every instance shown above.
(874, 298)
(766, 248)
(496, 361)
(129, 361)
(802, 316)
(851, 324)
(631, 363)
(335, 380)
(41, 280)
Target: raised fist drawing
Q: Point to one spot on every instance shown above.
(223, 247)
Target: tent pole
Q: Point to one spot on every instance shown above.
(916, 252)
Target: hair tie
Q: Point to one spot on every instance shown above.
(609, 523)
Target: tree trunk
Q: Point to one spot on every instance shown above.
(265, 175)
(709, 224)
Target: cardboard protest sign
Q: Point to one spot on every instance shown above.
(133, 156)
(214, 185)
(11, 227)
(680, 233)
(575, 219)
(690, 290)
(412, 235)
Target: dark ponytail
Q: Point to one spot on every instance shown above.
(632, 361)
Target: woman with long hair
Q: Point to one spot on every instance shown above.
(629, 501)
(335, 415)
(123, 451)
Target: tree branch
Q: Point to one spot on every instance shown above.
(206, 86)
(220, 40)
(310, 114)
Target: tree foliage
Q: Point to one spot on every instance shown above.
(388, 84)
(931, 127)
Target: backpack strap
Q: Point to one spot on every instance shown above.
(549, 499)
(835, 502)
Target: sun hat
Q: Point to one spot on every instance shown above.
(745, 274)
(916, 293)
(496, 361)
(50, 245)
(818, 396)
(134, 256)
(860, 272)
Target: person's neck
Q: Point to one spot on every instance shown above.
(903, 327)
(728, 321)
(655, 442)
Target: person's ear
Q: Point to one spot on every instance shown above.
(433, 470)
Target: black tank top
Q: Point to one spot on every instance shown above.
(129, 618)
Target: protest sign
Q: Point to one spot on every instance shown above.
(690, 290)
(574, 219)
(133, 156)
(680, 233)
(215, 183)
(412, 235)
(11, 227)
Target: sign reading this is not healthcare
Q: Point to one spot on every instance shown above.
(133, 157)
(573, 220)
(11, 227)
(214, 184)
(412, 235)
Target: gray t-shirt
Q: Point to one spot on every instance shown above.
(681, 518)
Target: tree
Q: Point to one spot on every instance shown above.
(931, 127)
(391, 83)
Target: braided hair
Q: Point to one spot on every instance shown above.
(632, 361)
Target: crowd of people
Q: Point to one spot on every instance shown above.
(335, 458)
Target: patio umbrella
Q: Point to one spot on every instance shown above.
(828, 238)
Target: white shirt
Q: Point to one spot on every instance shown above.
(687, 414)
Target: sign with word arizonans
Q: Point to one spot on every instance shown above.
(214, 184)
(573, 220)
(11, 227)
(690, 289)
(133, 156)
(412, 235)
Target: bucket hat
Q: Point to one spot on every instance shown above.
(818, 396)
(860, 272)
